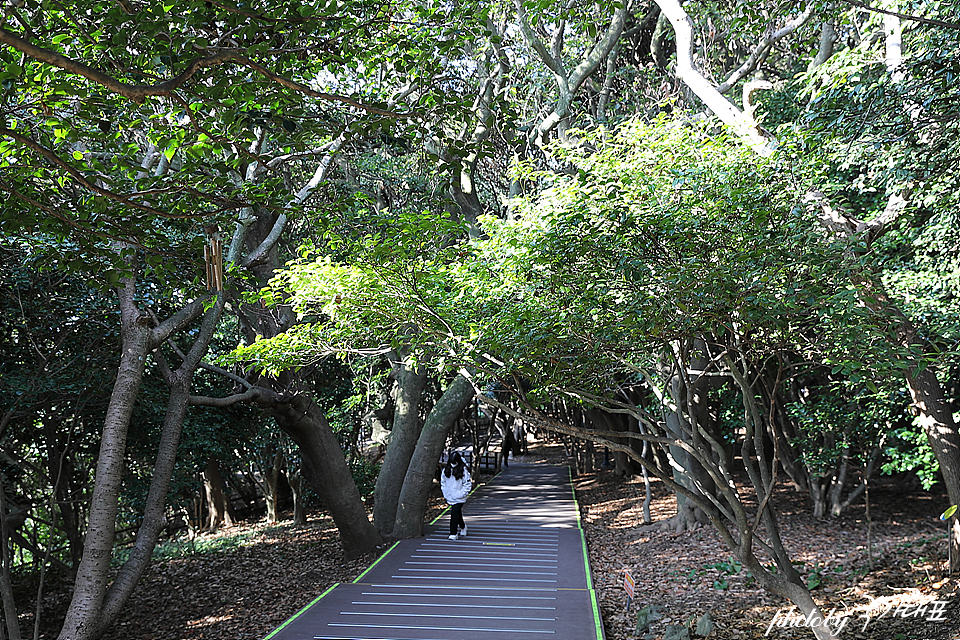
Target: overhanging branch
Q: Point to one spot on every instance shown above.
(905, 16)
(140, 92)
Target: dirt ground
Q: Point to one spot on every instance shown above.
(245, 591)
(687, 575)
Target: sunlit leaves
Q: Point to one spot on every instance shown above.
(665, 232)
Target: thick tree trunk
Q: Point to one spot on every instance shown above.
(154, 518)
(217, 512)
(93, 608)
(6, 586)
(621, 462)
(941, 430)
(82, 621)
(929, 401)
(403, 440)
(464, 194)
(420, 472)
(680, 424)
(325, 468)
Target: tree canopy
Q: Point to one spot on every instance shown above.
(245, 213)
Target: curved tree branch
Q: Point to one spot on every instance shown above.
(569, 84)
(140, 92)
(126, 199)
(905, 16)
(250, 395)
(728, 113)
(305, 192)
(763, 48)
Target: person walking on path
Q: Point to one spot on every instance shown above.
(506, 448)
(455, 484)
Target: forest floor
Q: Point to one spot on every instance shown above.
(250, 578)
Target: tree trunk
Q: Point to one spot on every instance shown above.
(296, 488)
(464, 193)
(403, 440)
(929, 401)
(689, 473)
(92, 607)
(6, 587)
(60, 467)
(325, 468)
(83, 616)
(794, 591)
(271, 483)
(154, 514)
(217, 512)
(420, 472)
(941, 430)
(621, 462)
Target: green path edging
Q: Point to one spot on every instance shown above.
(596, 614)
(434, 521)
(367, 570)
(317, 599)
(297, 615)
(586, 562)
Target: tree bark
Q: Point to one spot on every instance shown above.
(325, 468)
(828, 38)
(687, 72)
(6, 587)
(403, 440)
(296, 488)
(928, 398)
(930, 403)
(83, 616)
(154, 515)
(271, 482)
(218, 512)
(412, 502)
(568, 82)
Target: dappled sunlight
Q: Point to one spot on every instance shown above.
(692, 573)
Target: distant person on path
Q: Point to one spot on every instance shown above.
(509, 442)
(455, 484)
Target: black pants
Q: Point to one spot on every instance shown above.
(456, 519)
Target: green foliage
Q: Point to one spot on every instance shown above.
(56, 335)
(398, 280)
(364, 474)
(879, 134)
(841, 420)
(814, 577)
(730, 566)
(235, 436)
(185, 546)
(665, 231)
(909, 450)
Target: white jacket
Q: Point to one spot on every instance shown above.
(455, 491)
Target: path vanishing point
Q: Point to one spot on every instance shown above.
(521, 573)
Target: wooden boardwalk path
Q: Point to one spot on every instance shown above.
(521, 572)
